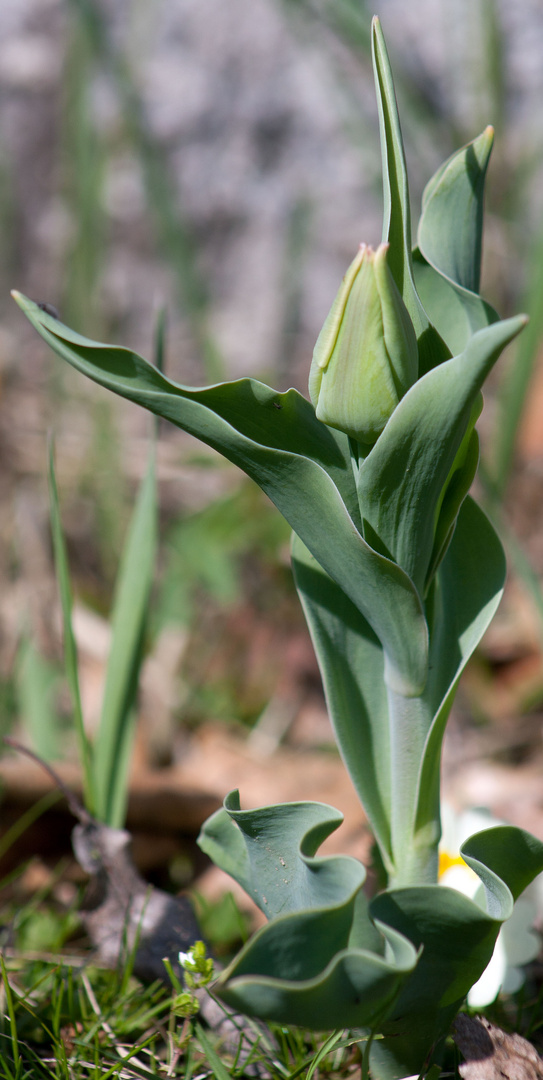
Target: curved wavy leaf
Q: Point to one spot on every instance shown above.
(425, 946)
(301, 464)
(270, 852)
(311, 964)
(505, 858)
(457, 940)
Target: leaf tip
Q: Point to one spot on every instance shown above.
(486, 139)
(25, 303)
(376, 31)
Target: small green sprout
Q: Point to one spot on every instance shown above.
(185, 1005)
(198, 971)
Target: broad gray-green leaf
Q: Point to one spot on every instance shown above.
(463, 601)
(302, 465)
(451, 224)
(401, 480)
(397, 212)
(352, 668)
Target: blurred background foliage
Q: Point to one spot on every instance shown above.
(220, 162)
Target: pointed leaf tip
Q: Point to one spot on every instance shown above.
(24, 302)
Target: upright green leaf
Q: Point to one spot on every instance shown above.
(401, 480)
(447, 262)
(115, 735)
(397, 210)
(451, 224)
(464, 600)
(220, 1071)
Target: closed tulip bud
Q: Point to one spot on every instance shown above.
(366, 354)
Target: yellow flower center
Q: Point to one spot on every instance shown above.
(446, 861)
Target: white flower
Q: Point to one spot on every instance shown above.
(517, 942)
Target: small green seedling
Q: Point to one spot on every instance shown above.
(198, 972)
(105, 763)
(399, 573)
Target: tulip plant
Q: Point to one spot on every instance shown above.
(399, 573)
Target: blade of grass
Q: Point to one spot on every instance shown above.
(423, 110)
(115, 735)
(83, 162)
(522, 566)
(173, 232)
(161, 326)
(70, 648)
(325, 1049)
(36, 683)
(296, 251)
(219, 1069)
(517, 381)
(160, 339)
(520, 562)
(495, 65)
(12, 1018)
(27, 819)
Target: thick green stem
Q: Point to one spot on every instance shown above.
(415, 858)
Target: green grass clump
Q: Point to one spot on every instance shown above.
(66, 1022)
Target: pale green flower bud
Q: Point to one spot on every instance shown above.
(366, 354)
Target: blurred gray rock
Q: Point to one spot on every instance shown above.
(266, 122)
